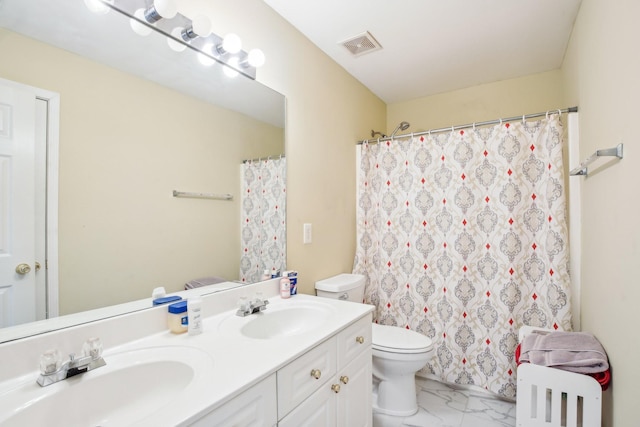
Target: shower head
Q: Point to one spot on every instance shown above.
(401, 126)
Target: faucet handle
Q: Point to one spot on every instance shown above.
(50, 361)
(243, 303)
(92, 347)
(258, 298)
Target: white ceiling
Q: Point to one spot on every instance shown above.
(434, 46)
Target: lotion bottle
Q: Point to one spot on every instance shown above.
(285, 288)
(195, 315)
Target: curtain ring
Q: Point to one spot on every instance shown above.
(453, 129)
(547, 115)
(523, 119)
(500, 121)
(474, 126)
(559, 113)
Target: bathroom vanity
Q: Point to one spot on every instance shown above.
(304, 360)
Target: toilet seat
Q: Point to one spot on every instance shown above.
(393, 339)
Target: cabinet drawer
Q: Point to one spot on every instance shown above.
(296, 381)
(354, 340)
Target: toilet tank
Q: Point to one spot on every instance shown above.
(346, 286)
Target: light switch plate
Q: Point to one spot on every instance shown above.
(306, 234)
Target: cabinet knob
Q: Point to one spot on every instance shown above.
(344, 379)
(335, 388)
(315, 373)
(360, 340)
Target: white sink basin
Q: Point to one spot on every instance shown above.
(280, 320)
(132, 386)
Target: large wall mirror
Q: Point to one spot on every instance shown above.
(138, 121)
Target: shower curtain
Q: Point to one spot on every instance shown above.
(262, 216)
(462, 237)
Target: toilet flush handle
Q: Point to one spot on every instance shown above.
(344, 296)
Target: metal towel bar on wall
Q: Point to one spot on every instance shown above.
(212, 196)
(583, 170)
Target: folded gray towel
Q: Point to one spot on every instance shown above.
(577, 352)
(204, 281)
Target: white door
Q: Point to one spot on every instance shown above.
(17, 205)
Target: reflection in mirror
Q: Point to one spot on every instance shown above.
(136, 122)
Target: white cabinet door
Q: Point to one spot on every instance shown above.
(354, 400)
(306, 374)
(319, 410)
(255, 407)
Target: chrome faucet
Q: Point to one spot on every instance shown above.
(52, 371)
(255, 305)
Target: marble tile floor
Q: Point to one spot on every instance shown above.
(442, 405)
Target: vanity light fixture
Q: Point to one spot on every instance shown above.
(97, 6)
(147, 16)
(231, 43)
(231, 70)
(205, 58)
(200, 27)
(137, 24)
(255, 58)
(160, 9)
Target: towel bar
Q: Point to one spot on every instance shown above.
(582, 170)
(212, 196)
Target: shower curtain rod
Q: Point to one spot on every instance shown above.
(470, 125)
(259, 159)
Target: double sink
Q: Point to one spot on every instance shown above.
(138, 382)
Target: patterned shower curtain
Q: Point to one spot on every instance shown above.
(462, 237)
(263, 215)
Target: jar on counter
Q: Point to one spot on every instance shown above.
(178, 317)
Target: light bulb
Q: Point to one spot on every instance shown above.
(231, 43)
(174, 45)
(256, 58)
(161, 9)
(204, 59)
(97, 6)
(137, 27)
(200, 27)
(228, 70)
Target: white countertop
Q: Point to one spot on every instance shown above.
(238, 362)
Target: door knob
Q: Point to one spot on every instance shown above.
(23, 268)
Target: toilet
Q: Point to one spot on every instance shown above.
(398, 353)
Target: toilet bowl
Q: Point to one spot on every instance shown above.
(398, 353)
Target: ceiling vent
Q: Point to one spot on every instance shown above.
(361, 44)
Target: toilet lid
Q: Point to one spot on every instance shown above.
(398, 340)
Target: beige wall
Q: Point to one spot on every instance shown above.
(327, 112)
(601, 74)
(507, 98)
(125, 144)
